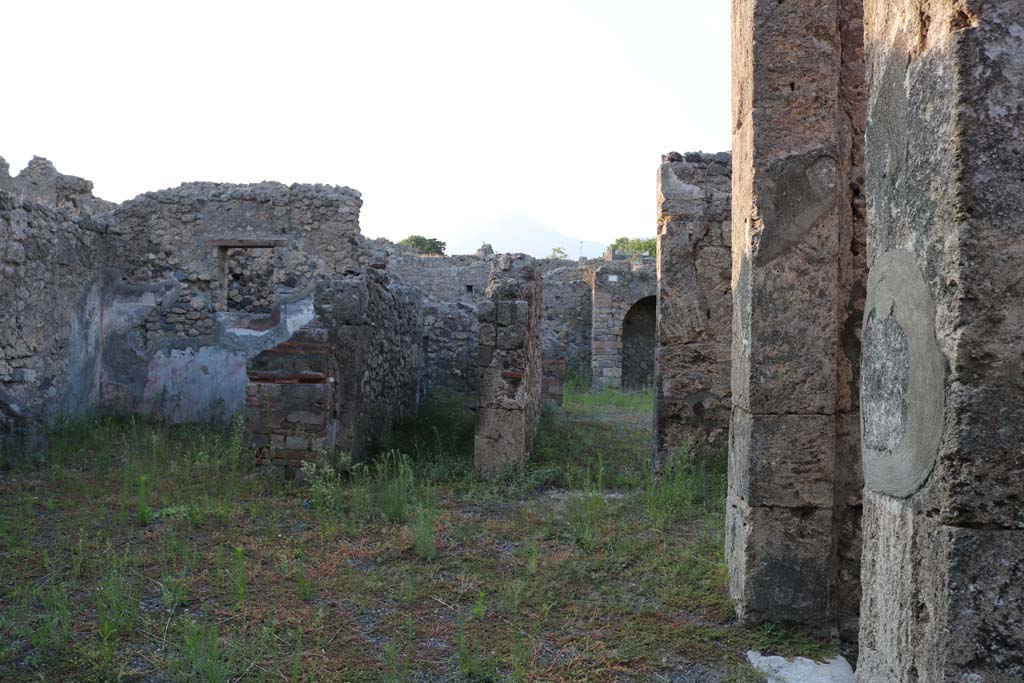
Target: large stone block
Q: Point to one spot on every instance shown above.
(942, 398)
(499, 440)
(780, 567)
(941, 603)
(782, 460)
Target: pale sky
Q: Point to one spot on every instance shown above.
(443, 113)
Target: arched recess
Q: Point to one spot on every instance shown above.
(638, 335)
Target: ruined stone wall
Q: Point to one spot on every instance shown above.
(451, 333)
(50, 296)
(509, 389)
(188, 313)
(566, 315)
(616, 285)
(445, 278)
(154, 306)
(342, 379)
(793, 512)
(693, 394)
(942, 399)
(41, 183)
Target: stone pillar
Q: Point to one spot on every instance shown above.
(509, 387)
(796, 275)
(692, 352)
(942, 395)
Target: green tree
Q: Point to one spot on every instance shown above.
(636, 245)
(559, 252)
(424, 245)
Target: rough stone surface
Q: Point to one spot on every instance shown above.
(944, 423)
(509, 387)
(41, 183)
(797, 276)
(450, 338)
(156, 305)
(692, 354)
(343, 378)
(49, 258)
(566, 315)
(941, 603)
(446, 278)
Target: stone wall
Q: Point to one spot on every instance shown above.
(451, 333)
(943, 401)
(794, 503)
(693, 394)
(155, 306)
(509, 390)
(50, 261)
(616, 285)
(41, 183)
(182, 325)
(446, 278)
(344, 378)
(566, 314)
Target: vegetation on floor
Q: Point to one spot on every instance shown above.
(137, 551)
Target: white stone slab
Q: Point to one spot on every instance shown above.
(801, 670)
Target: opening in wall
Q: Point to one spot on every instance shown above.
(246, 268)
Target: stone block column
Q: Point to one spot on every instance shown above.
(694, 336)
(942, 394)
(793, 481)
(509, 364)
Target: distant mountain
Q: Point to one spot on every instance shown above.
(516, 232)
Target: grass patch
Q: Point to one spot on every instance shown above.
(139, 551)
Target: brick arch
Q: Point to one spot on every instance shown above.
(617, 286)
(639, 331)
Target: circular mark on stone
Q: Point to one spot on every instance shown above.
(884, 381)
(902, 378)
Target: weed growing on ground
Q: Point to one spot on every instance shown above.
(578, 396)
(239, 576)
(568, 568)
(480, 606)
(394, 478)
(687, 486)
(586, 509)
(202, 657)
(173, 591)
(324, 486)
(305, 586)
(472, 666)
(144, 513)
(423, 533)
